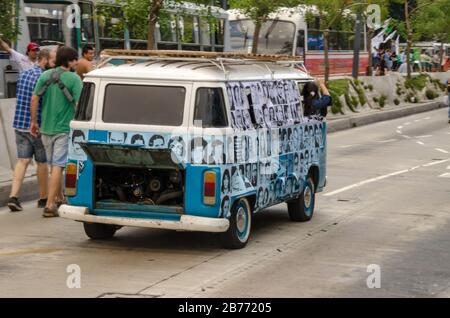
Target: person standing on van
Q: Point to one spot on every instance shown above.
(314, 105)
(85, 64)
(60, 90)
(23, 62)
(26, 144)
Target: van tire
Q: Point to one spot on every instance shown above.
(302, 209)
(97, 231)
(238, 232)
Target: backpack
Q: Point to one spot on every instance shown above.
(55, 78)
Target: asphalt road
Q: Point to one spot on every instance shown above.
(387, 205)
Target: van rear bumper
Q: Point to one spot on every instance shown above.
(186, 222)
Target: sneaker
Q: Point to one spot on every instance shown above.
(14, 204)
(42, 203)
(50, 212)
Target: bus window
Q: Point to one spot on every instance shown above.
(210, 108)
(110, 27)
(276, 37)
(205, 33)
(300, 50)
(87, 23)
(166, 35)
(47, 23)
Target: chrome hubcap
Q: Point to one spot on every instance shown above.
(307, 197)
(240, 220)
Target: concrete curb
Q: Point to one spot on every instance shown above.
(29, 189)
(354, 121)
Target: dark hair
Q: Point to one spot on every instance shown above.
(226, 173)
(124, 135)
(136, 138)
(225, 199)
(77, 133)
(154, 138)
(64, 55)
(86, 49)
(310, 93)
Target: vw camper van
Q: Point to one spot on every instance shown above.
(192, 142)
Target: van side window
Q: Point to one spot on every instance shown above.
(86, 103)
(210, 108)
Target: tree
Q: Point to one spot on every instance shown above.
(7, 24)
(433, 23)
(331, 15)
(409, 27)
(259, 11)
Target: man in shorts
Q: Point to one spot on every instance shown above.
(58, 109)
(29, 146)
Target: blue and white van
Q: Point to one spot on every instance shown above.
(193, 144)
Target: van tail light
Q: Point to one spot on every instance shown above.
(209, 188)
(71, 179)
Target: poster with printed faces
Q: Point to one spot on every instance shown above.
(240, 109)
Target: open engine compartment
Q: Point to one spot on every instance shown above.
(141, 186)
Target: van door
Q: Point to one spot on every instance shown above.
(210, 148)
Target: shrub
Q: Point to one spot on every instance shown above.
(382, 101)
(430, 94)
(417, 83)
(375, 99)
(396, 101)
(371, 87)
(336, 107)
(355, 101)
(399, 91)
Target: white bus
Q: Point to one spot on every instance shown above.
(288, 32)
(182, 26)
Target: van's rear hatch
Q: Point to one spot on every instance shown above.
(136, 181)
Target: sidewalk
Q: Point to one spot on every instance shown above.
(335, 123)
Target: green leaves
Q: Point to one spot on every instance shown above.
(7, 23)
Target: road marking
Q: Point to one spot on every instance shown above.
(347, 146)
(445, 175)
(399, 131)
(370, 181)
(385, 141)
(425, 136)
(448, 168)
(435, 163)
(420, 143)
(407, 124)
(359, 184)
(405, 136)
(426, 118)
(441, 150)
(417, 120)
(400, 127)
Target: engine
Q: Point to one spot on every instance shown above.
(140, 186)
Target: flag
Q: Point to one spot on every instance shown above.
(397, 45)
(390, 36)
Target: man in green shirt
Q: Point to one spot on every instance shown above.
(60, 91)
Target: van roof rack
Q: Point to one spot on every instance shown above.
(219, 59)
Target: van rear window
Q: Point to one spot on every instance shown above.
(144, 105)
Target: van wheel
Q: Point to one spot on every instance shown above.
(302, 209)
(97, 231)
(237, 235)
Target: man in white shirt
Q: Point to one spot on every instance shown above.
(24, 62)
